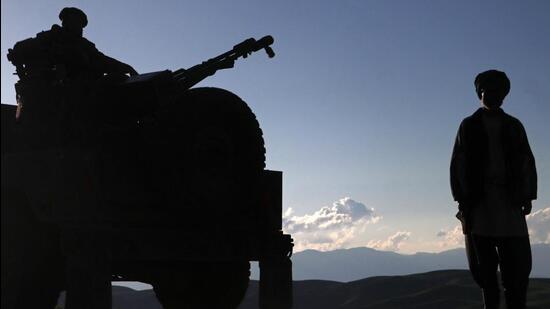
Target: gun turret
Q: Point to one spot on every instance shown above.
(187, 78)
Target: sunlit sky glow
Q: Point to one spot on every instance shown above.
(362, 100)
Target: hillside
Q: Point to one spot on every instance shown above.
(438, 289)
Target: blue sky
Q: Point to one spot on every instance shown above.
(362, 100)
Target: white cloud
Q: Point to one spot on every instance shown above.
(539, 226)
(450, 238)
(329, 228)
(393, 243)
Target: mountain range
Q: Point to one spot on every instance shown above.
(357, 263)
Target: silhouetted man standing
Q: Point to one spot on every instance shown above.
(493, 178)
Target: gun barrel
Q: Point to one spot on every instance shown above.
(191, 76)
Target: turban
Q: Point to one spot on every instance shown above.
(74, 13)
(494, 80)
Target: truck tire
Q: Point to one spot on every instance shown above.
(203, 285)
(213, 146)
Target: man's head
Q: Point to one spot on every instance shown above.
(73, 20)
(492, 87)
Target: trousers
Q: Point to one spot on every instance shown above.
(513, 255)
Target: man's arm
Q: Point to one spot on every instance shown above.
(105, 64)
(459, 187)
(111, 65)
(528, 172)
(458, 179)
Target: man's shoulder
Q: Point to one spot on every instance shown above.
(472, 119)
(512, 121)
(55, 30)
(87, 44)
(511, 118)
(478, 116)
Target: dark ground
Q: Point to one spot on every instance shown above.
(439, 289)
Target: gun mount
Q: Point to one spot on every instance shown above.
(143, 179)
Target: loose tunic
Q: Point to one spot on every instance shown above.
(495, 215)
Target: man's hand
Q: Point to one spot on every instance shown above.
(131, 70)
(464, 208)
(526, 207)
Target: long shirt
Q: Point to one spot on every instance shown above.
(495, 214)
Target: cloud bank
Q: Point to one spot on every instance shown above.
(342, 225)
(331, 227)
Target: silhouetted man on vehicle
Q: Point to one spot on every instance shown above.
(62, 53)
(493, 179)
(61, 63)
